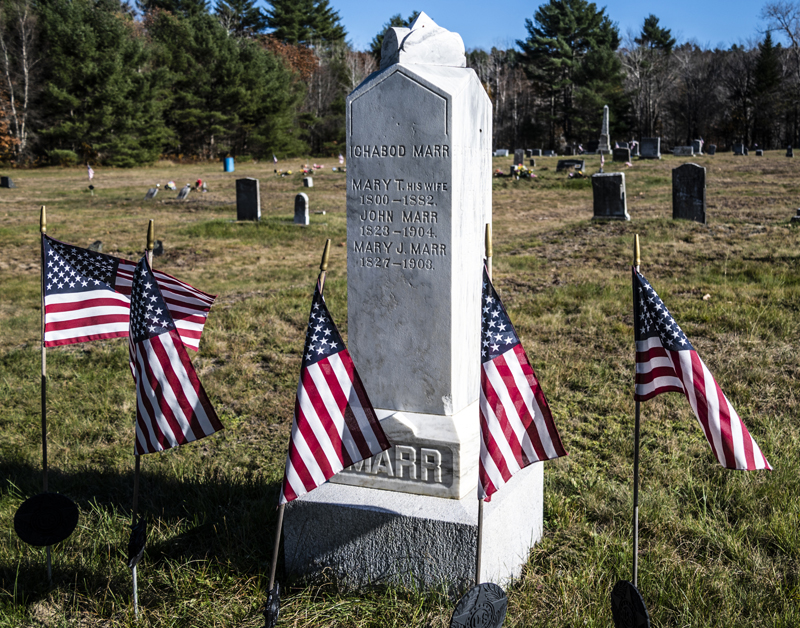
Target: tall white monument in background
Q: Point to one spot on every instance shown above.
(605, 136)
(418, 197)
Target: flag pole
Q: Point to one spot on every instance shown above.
(636, 262)
(323, 271)
(488, 250)
(43, 230)
(137, 458)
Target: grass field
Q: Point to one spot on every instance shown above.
(717, 548)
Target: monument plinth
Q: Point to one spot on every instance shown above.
(418, 199)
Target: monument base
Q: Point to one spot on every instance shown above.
(361, 536)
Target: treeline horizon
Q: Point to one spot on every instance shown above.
(119, 84)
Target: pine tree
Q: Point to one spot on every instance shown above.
(767, 80)
(241, 18)
(395, 21)
(568, 42)
(654, 37)
(179, 7)
(309, 22)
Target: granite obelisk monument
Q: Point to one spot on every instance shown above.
(605, 141)
(418, 199)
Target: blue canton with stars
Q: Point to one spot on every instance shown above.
(497, 332)
(71, 269)
(322, 337)
(149, 314)
(652, 318)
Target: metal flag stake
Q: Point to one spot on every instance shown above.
(627, 605)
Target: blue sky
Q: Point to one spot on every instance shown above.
(485, 24)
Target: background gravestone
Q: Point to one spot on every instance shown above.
(519, 157)
(549, 153)
(536, 152)
(183, 194)
(501, 152)
(712, 149)
(570, 164)
(622, 145)
(697, 147)
(529, 152)
(739, 149)
(248, 199)
(683, 151)
(689, 193)
(6, 182)
(301, 209)
(531, 163)
(604, 145)
(759, 152)
(610, 200)
(634, 150)
(650, 148)
(151, 194)
(308, 182)
(569, 151)
(789, 151)
(621, 154)
(592, 145)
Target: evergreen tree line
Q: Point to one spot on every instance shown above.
(106, 81)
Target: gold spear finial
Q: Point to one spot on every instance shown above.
(151, 235)
(488, 240)
(43, 220)
(637, 255)
(323, 265)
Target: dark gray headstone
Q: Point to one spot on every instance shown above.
(529, 152)
(536, 152)
(621, 154)
(519, 157)
(248, 199)
(532, 163)
(6, 182)
(592, 146)
(789, 151)
(746, 151)
(650, 148)
(634, 150)
(697, 147)
(549, 153)
(97, 246)
(610, 201)
(184, 193)
(301, 209)
(158, 248)
(739, 149)
(796, 218)
(759, 152)
(570, 164)
(712, 149)
(151, 194)
(622, 145)
(683, 151)
(689, 193)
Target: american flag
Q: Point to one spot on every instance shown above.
(87, 297)
(172, 407)
(667, 362)
(334, 424)
(90, 172)
(517, 427)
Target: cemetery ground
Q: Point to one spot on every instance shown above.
(717, 547)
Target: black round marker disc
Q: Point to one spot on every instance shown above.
(483, 606)
(627, 606)
(46, 519)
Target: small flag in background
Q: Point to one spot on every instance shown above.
(90, 172)
(667, 362)
(172, 407)
(341, 159)
(334, 424)
(517, 427)
(86, 297)
(274, 158)
(616, 144)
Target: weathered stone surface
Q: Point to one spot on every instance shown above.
(610, 200)
(151, 194)
(570, 164)
(308, 182)
(650, 148)
(604, 145)
(683, 151)
(519, 157)
(621, 154)
(423, 42)
(248, 199)
(301, 209)
(6, 182)
(689, 193)
(363, 536)
(712, 149)
(697, 147)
